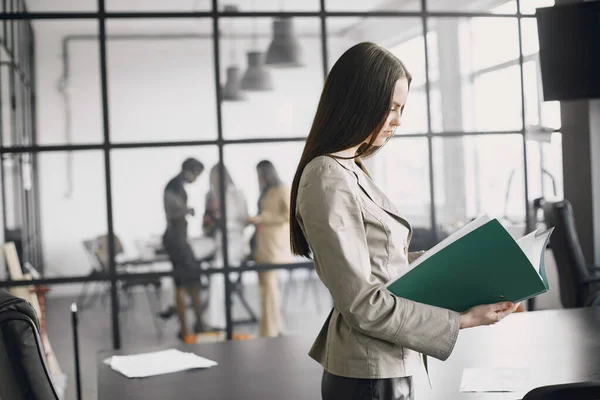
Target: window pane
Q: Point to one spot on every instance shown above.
(283, 102)
(496, 100)
(69, 100)
(73, 209)
(20, 207)
(139, 177)
(372, 5)
(529, 6)
(485, 47)
(493, 6)
(158, 5)
(65, 5)
(475, 96)
(241, 161)
(404, 38)
(161, 80)
(476, 175)
(401, 170)
(269, 5)
(544, 167)
(529, 32)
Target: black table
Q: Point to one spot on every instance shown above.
(555, 346)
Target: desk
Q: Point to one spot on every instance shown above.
(256, 369)
(556, 346)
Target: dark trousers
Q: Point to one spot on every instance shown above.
(180, 253)
(335, 387)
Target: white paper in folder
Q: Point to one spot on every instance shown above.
(158, 363)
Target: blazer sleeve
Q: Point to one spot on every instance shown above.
(331, 218)
(281, 214)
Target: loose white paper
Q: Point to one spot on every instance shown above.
(495, 380)
(158, 363)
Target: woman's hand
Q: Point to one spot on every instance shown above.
(487, 314)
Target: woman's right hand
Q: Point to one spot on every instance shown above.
(487, 314)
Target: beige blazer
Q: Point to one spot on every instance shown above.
(353, 231)
(273, 229)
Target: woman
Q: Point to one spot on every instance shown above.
(272, 243)
(370, 344)
(237, 216)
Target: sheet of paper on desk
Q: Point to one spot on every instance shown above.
(158, 363)
(495, 380)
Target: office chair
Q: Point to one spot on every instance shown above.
(575, 391)
(579, 283)
(24, 374)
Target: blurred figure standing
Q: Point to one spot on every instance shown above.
(271, 244)
(237, 220)
(175, 241)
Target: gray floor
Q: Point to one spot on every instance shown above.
(306, 309)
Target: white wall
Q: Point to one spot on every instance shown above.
(158, 91)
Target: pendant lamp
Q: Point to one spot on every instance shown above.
(257, 76)
(232, 90)
(284, 50)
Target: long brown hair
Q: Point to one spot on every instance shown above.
(355, 103)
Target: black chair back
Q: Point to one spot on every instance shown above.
(24, 374)
(571, 265)
(574, 391)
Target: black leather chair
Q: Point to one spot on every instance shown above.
(579, 282)
(570, 391)
(24, 374)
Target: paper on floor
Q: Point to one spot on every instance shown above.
(158, 363)
(495, 380)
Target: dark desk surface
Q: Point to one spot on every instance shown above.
(555, 346)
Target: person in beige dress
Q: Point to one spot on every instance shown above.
(371, 344)
(271, 243)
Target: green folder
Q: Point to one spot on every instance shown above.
(479, 264)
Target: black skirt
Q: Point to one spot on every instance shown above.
(335, 387)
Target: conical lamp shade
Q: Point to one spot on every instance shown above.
(284, 50)
(257, 76)
(232, 90)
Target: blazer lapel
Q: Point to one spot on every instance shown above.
(373, 192)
